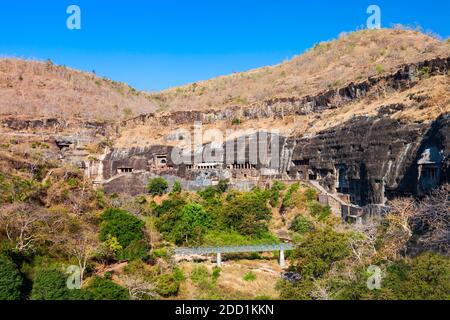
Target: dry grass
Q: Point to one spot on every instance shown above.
(231, 284)
(352, 57)
(38, 89)
(436, 91)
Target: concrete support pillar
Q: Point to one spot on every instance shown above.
(282, 260)
(359, 221)
(219, 260)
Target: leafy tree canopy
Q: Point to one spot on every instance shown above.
(157, 186)
(10, 279)
(122, 225)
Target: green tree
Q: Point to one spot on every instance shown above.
(168, 213)
(157, 186)
(11, 280)
(223, 185)
(310, 194)
(136, 250)
(275, 191)
(425, 277)
(318, 210)
(301, 225)
(287, 199)
(122, 225)
(247, 213)
(192, 225)
(104, 289)
(49, 284)
(209, 193)
(177, 187)
(315, 253)
(167, 284)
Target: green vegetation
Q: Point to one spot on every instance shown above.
(218, 218)
(168, 284)
(104, 289)
(424, 72)
(318, 250)
(124, 244)
(246, 213)
(205, 282)
(230, 238)
(425, 277)
(122, 234)
(318, 210)
(39, 145)
(192, 224)
(276, 190)
(287, 199)
(177, 187)
(379, 69)
(49, 284)
(121, 225)
(302, 225)
(11, 280)
(157, 186)
(249, 276)
(236, 122)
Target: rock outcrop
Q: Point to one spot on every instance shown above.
(405, 77)
(374, 158)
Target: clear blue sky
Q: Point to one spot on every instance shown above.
(155, 44)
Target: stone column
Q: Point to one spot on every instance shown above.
(219, 260)
(282, 260)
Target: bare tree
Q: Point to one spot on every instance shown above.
(139, 288)
(20, 222)
(399, 230)
(432, 221)
(364, 245)
(82, 248)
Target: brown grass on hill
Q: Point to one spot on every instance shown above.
(37, 89)
(433, 95)
(352, 57)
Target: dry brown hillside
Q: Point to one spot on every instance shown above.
(36, 89)
(42, 89)
(352, 57)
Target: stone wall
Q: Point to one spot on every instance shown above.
(378, 157)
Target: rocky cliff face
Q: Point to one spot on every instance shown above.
(405, 77)
(374, 158)
(368, 158)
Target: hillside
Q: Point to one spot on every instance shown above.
(332, 64)
(42, 89)
(88, 179)
(38, 89)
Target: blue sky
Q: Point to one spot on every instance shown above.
(156, 44)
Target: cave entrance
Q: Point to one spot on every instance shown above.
(429, 166)
(161, 160)
(342, 184)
